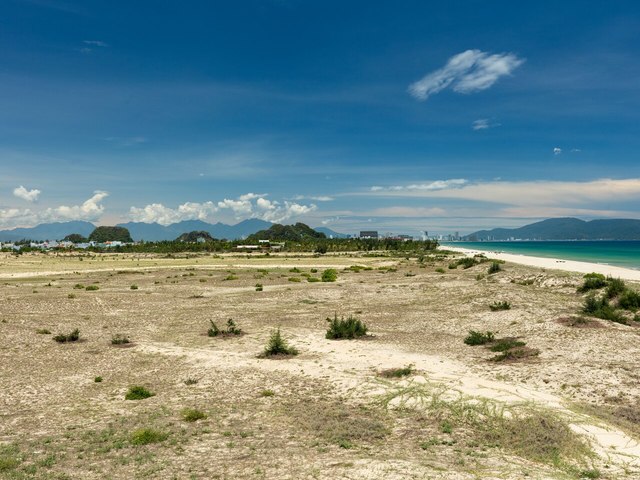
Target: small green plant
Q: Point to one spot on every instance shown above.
(137, 392)
(278, 346)
(134, 287)
(145, 436)
(190, 381)
(230, 277)
(193, 415)
(446, 427)
(43, 331)
(615, 287)
(71, 295)
(74, 336)
(494, 268)
(97, 379)
(314, 270)
(91, 288)
(119, 339)
(341, 328)
(259, 287)
(516, 353)
(329, 275)
(231, 329)
(295, 279)
(295, 270)
(440, 270)
(267, 393)
(502, 305)
(601, 308)
(397, 372)
(629, 300)
(313, 279)
(479, 338)
(78, 286)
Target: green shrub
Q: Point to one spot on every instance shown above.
(97, 379)
(193, 415)
(43, 331)
(295, 279)
(341, 328)
(479, 338)
(230, 277)
(137, 392)
(494, 268)
(516, 353)
(313, 279)
(71, 295)
(278, 346)
(615, 287)
(78, 286)
(504, 344)
(592, 281)
(92, 288)
(74, 336)
(119, 339)
(295, 270)
(145, 436)
(134, 287)
(259, 287)
(600, 308)
(267, 393)
(503, 305)
(314, 270)
(440, 270)
(629, 300)
(329, 275)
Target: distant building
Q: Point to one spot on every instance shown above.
(369, 234)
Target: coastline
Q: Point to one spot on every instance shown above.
(553, 263)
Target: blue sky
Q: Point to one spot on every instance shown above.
(400, 116)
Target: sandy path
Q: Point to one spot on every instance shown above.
(351, 367)
(555, 263)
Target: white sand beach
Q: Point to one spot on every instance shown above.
(554, 263)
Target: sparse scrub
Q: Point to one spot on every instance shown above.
(43, 331)
(516, 353)
(397, 372)
(145, 436)
(504, 344)
(78, 286)
(193, 415)
(341, 328)
(71, 295)
(137, 392)
(329, 275)
(267, 393)
(259, 287)
(295, 279)
(479, 338)
(615, 287)
(629, 300)
(440, 270)
(91, 288)
(502, 305)
(74, 336)
(601, 308)
(190, 381)
(592, 281)
(230, 277)
(278, 346)
(133, 287)
(313, 279)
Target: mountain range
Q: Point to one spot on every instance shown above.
(152, 232)
(565, 229)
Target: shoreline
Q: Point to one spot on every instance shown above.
(553, 263)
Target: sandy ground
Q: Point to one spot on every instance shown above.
(555, 263)
(326, 413)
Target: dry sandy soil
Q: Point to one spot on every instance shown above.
(569, 412)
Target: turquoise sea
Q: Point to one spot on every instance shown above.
(619, 253)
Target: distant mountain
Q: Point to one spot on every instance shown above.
(566, 229)
(48, 231)
(331, 233)
(151, 232)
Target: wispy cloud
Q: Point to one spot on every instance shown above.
(483, 124)
(95, 43)
(467, 72)
(426, 187)
(321, 198)
(28, 195)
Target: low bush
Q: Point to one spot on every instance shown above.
(341, 328)
(190, 381)
(329, 275)
(592, 281)
(97, 379)
(259, 287)
(516, 353)
(231, 329)
(313, 279)
(503, 305)
(440, 270)
(601, 308)
(134, 287)
(137, 392)
(494, 268)
(119, 339)
(278, 346)
(504, 344)
(74, 336)
(145, 436)
(615, 287)
(92, 288)
(193, 415)
(43, 331)
(629, 300)
(295, 279)
(397, 372)
(479, 338)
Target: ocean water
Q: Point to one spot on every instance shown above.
(619, 253)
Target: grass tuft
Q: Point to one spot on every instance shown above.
(137, 392)
(341, 328)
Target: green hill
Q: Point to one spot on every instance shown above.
(195, 236)
(110, 234)
(291, 233)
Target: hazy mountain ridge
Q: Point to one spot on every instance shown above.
(565, 229)
(145, 231)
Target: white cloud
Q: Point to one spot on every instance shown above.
(466, 72)
(427, 187)
(557, 151)
(28, 195)
(483, 124)
(158, 213)
(321, 198)
(273, 211)
(90, 210)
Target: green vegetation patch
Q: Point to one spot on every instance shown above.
(74, 336)
(137, 392)
(348, 328)
(145, 436)
(278, 346)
